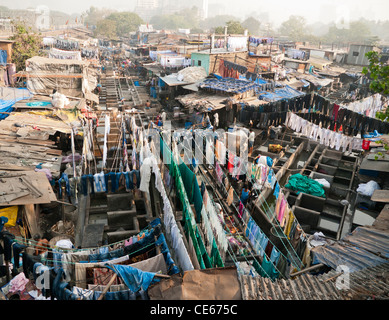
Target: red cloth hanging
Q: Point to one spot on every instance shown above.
(230, 164)
(365, 144)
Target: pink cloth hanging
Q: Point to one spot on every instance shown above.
(240, 209)
(282, 209)
(219, 172)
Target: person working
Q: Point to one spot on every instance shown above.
(216, 120)
(244, 196)
(251, 141)
(41, 246)
(163, 117)
(207, 121)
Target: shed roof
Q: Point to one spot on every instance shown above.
(364, 247)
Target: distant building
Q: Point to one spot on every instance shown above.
(298, 65)
(6, 25)
(320, 53)
(204, 9)
(147, 8)
(42, 20)
(356, 54)
(210, 60)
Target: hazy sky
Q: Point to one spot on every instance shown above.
(279, 10)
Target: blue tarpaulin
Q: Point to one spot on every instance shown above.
(134, 279)
(38, 104)
(230, 85)
(10, 97)
(279, 94)
(3, 57)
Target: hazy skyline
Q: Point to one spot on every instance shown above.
(313, 10)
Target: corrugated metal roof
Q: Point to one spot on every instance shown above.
(363, 254)
(369, 283)
(364, 247)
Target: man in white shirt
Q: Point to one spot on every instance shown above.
(251, 141)
(216, 120)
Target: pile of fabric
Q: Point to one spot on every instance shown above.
(300, 183)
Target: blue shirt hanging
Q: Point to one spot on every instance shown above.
(276, 190)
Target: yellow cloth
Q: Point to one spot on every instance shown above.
(11, 213)
(289, 223)
(217, 150)
(230, 197)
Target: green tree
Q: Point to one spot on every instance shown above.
(218, 30)
(106, 28)
(26, 44)
(187, 19)
(126, 22)
(378, 73)
(213, 22)
(93, 15)
(252, 25)
(168, 21)
(358, 31)
(233, 27)
(294, 28)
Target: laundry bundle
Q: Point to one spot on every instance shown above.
(300, 183)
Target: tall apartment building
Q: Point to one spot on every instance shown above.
(147, 8)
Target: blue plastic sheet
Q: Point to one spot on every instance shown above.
(6, 105)
(280, 94)
(3, 57)
(230, 85)
(38, 104)
(134, 279)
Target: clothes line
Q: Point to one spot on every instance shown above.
(324, 136)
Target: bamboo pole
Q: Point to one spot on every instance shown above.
(107, 287)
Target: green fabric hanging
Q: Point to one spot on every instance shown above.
(192, 189)
(190, 226)
(269, 269)
(215, 256)
(300, 183)
(266, 269)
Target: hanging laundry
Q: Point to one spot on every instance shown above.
(219, 173)
(64, 177)
(268, 269)
(283, 207)
(275, 255)
(241, 208)
(230, 197)
(100, 182)
(276, 190)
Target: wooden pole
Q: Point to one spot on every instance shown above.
(62, 205)
(334, 277)
(107, 287)
(314, 267)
